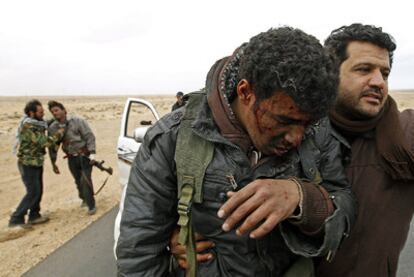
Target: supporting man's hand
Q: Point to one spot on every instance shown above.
(180, 253)
(267, 200)
(92, 159)
(56, 169)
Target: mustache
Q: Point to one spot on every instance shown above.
(376, 91)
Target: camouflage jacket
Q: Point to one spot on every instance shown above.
(33, 143)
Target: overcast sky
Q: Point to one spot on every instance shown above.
(152, 47)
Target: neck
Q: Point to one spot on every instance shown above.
(348, 114)
(238, 112)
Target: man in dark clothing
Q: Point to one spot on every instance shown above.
(381, 169)
(180, 101)
(381, 140)
(78, 143)
(252, 115)
(31, 144)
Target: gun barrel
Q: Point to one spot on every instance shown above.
(99, 165)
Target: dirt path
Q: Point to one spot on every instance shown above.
(60, 200)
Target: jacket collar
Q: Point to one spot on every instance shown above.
(205, 126)
(220, 111)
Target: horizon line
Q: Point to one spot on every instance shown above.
(136, 94)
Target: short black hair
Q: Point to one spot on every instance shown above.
(289, 60)
(338, 40)
(31, 106)
(52, 103)
(180, 93)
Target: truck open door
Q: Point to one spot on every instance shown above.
(138, 116)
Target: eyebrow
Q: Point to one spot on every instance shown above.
(289, 120)
(372, 65)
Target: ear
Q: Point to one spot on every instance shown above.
(245, 92)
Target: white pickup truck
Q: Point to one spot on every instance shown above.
(138, 116)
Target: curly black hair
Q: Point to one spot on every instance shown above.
(289, 60)
(31, 106)
(338, 40)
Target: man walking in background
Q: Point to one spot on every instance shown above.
(180, 101)
(78, 143)
(31, 144)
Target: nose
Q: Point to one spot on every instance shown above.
(377, 79)
(295, 134)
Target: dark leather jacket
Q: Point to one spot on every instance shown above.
(150, 206)
(385, 208)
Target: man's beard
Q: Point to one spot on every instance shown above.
(38, 118)
(353, 108)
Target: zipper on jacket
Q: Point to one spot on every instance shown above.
(232, 182)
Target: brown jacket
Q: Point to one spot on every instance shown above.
(384, 214)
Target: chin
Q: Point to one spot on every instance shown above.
(369, 109)
(369, 112)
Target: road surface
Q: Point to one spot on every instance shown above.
(406, 265)
(88, 254)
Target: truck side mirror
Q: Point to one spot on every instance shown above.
(139, 134)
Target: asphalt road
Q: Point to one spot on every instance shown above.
(406, 265)
(90, 254)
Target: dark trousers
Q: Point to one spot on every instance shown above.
(32, 177)
(82, 172)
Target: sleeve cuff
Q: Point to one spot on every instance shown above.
(316, 207)
(297, 214)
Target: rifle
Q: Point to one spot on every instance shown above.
(99, 165)
(109, 170)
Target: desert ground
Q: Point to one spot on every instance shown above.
(60, 200)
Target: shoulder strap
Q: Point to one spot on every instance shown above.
(193, 153)
(192, 156)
